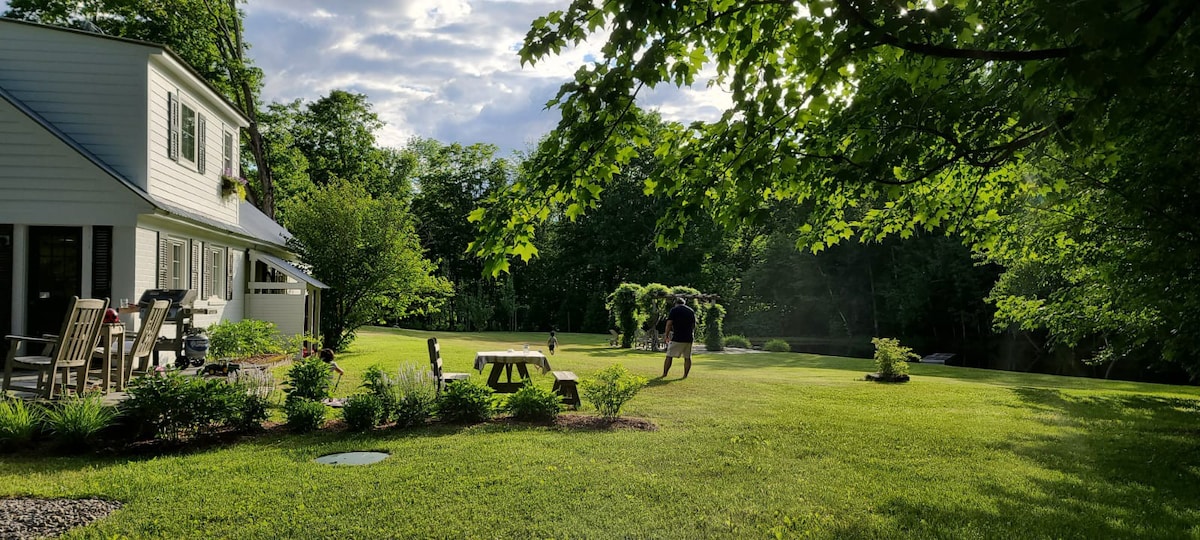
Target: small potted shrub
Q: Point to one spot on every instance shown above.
(891, 360)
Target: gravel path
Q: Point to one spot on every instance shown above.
(22, 519)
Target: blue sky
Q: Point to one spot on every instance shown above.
(445, 69)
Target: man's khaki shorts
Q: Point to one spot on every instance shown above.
(679, 349)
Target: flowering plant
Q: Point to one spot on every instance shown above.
(233, 184)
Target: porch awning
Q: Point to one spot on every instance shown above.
(289, 269)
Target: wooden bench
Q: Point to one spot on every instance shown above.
(565, 386)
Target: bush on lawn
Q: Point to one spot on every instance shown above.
(18, 422)
(610, 389)
(465, 402)
(74, 421)
(173, 406)
(891, 358)
(385, 388)
(418, 396)
(737, 341)
(244, 338)
(304, 415)
(308, 379)
(255, 386)
(777, 345)
(532, 402)
(362, 411)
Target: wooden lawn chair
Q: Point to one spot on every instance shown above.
(615, 339)
(435, 359)
(72, 349)
(141, 347)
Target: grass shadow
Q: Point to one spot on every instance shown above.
(1092, 489)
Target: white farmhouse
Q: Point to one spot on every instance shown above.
(112, 158)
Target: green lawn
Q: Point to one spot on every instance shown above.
(750, 446)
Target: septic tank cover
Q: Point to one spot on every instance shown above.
(353, 458)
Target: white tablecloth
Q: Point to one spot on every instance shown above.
(511, 357)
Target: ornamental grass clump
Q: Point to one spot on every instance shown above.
(534, 403)
(610, 389)
(891, 358)
(465, 402)
(738, 341)
(74, 421)
(418, 396)
(18, 422)
(777, 345)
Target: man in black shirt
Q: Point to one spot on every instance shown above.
(681, 329)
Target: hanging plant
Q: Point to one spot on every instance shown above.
(231, 185)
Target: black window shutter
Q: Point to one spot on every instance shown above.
(172, 126)
(201, 142)
(195, 266)
(229, 274)
(164, 261)
(102, 261)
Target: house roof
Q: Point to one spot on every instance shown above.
(166, 50)
(291, 269)
(252, 223)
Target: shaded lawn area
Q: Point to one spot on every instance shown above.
(750, 446)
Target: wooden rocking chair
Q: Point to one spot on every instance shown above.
(71, 350)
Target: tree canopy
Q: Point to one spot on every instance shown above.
(982, 119)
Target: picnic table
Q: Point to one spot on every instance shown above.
(504, 361)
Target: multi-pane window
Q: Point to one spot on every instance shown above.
(227, 155)
(187, 133)
(216, 276)
(177, 264)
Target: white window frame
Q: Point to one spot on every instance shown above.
(215, 260)
(177, 263)
(184, 147)
(227, 154)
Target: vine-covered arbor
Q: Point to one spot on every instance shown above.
(639, 310)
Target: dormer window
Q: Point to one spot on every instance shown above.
(185, 132)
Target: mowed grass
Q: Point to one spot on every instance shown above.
(750, 446)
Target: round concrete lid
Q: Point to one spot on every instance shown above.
(352, 458)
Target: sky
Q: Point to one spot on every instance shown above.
(443, 69)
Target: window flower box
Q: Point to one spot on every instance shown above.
(232, 185)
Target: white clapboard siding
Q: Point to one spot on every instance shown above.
(178, 182)
(93, 89)
(43, 181)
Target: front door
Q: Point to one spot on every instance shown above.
(55, 275)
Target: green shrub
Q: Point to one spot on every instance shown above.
(18, 422)
(385, 388)
(777, 345)
(534, 403)
(243, 338)
(74, 421)
(304, 414)
(255, 386)
(714, 335)
(610, 389)
(418, 391)
(465, 402)
(173, 406)
(891, 358)
(737, 341)
(622, 304)
(308, 379)
(362, 411)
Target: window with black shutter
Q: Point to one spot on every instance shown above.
(102, 261)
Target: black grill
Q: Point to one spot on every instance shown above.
(179, 314)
